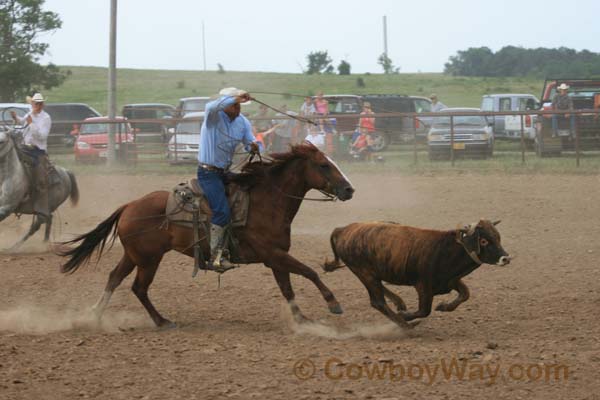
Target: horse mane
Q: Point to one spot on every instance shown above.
(254, 172)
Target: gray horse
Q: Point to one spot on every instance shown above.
(15, 188)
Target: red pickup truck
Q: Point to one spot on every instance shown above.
(586, 96)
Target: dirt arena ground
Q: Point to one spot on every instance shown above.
(530, 330)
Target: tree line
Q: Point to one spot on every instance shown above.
(21, 23)
(518, 61)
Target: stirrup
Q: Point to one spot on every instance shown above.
(217, 263)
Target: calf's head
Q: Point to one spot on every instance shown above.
(481, 240)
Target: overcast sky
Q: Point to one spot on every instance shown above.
(276, 35)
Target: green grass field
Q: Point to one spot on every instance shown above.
(89, 85)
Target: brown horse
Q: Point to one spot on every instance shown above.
(277, 188)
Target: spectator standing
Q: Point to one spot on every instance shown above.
(321, 105)
(435, 104)
(285, 130)
(262, 120)
(308, 108)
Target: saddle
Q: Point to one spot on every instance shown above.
(185, 198)
(187, 206)
(28, 165)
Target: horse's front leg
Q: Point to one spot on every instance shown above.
(281, 262)
(6, 210)
(285, 285)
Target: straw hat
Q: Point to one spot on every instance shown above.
(234, 92)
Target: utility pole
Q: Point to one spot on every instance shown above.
(385, 50)
(112, 84)
(203, 46)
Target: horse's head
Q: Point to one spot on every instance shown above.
(322, 173)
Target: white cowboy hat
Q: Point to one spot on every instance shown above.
(37, 98)
(231, 91)
(563, 86)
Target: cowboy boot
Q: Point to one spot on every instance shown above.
(219, 262)
(40, 181)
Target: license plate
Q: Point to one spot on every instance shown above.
(102, 154)
(458, 146)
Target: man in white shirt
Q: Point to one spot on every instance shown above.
(35, 144)
(435, 104)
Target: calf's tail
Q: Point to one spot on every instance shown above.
(330, 266)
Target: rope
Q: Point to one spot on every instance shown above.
(298, 118)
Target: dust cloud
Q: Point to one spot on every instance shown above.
(37, 320)
(385, 331)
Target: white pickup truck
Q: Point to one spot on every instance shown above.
(509, 126)
(512, 126)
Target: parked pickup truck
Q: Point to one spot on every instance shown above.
(586, 96)
(509, 126)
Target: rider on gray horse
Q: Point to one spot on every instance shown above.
(35, 144)
(222, 130)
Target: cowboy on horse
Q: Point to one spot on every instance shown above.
(35, 144)
(223, 129)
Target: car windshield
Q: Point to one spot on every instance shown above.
(195, 105)
(92, 129)
(474, 120)
(189, 127)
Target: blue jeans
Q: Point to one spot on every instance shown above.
(213, 185)
(555, 123)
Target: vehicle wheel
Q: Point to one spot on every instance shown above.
(380, 141)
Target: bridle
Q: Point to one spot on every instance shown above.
(328, 196)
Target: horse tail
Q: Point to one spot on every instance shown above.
(330, 266)
(74, 195)
(89, 242)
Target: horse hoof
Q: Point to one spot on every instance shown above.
(301, 319)
(336, 309)
(167, 325)
(411, 325)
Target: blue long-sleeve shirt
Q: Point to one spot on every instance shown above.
(219, 136)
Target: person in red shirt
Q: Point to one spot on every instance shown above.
(361, 146)
(366, 121)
